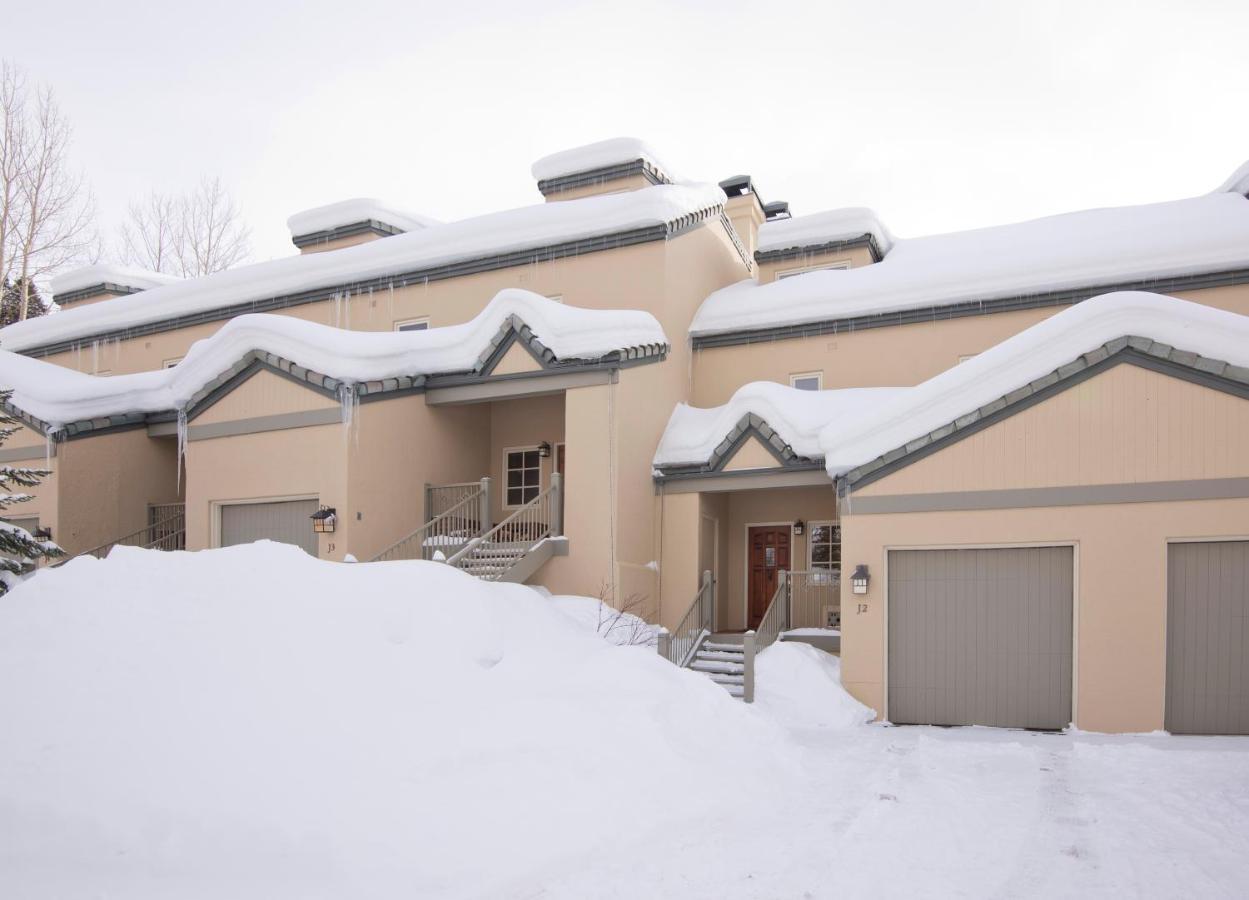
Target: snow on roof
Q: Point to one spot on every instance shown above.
(57, 395)
(1237, 182)
(105, 273)
(349, 212)
(1029, 355)
(503, 232)
(1082, 249)
(823, 228)
(692, 433)
(599, 155)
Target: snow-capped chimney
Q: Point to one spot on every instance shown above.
(350, 222)
(91, 284)
(605, 167)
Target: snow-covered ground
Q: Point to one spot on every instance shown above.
(252, 722)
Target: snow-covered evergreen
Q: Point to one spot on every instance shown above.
(18, 547)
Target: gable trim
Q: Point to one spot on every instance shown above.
(1139, 351)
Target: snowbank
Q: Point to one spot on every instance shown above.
(1237, 182)
(823, 228)
(252, 722)
(529, 227)
(618, 627)
(611, 152)
(801, 687)
(1077, 250)
(104, 273)
(692, 433)
(1030, 355)
(58, 396)
(357, 209)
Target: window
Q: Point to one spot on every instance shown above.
(421, 324)
(170, 363)
(558, 298)
(788, 273)
(807, 381)
(824, 546)
(523, 473)
(967, 356)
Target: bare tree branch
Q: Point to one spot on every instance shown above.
(194, 234)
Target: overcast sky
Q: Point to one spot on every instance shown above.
(939, 115)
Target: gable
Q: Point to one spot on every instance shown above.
(265, 393)
(751, 455)
(516, 361)
(1125, 425)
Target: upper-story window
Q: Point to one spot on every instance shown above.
(420, 324)
(802, 270)
(807, 381)
(170, 363)
(522, 471)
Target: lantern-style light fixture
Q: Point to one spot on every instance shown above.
(544, 449)
(859, 580)
(43, 533)
(324, 519)
(799, 527)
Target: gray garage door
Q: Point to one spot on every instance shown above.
(980, 637)
(286, 521)
(1208, 638)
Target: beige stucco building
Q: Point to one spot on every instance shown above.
(1044, 489)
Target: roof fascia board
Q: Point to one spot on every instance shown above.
(602, 175)
(328, 235)
(95, 290)
(865, 240)
(745, 480)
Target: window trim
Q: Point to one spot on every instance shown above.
(171, 362)
(418, 320)
(811, 526)
(525, 448)
(840, 264)
(818, 376)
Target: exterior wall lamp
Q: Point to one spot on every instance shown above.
(544, 449)
(324, 520)
(799, 528)
(859, 580)
(42, 534)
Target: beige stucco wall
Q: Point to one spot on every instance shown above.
(853, 257)
(881, 357)
(44, 496)
(1124, 425)
(265, 393)
(105, 484)
(518, 424)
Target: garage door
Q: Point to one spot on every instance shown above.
(980, 637)
(286, 521)
(1208, 638)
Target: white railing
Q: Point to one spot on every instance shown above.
(167, 533)
(442, 498)
(680, 645)
(446, 533)
(815, 599)
(489, 555)
(776, 619)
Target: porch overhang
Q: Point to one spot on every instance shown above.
(469, 389)
(743, 480)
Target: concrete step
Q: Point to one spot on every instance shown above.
(722, 678)
(726, 668)
(724, 647)
(722, 655)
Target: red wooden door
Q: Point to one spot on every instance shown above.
(768, 557)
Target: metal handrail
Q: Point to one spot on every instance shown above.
(680, 645)
(524, 529)
(157, 533)
(453, 528)
(777, 617)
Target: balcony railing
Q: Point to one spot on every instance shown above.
(450, 530)
(165, 533)
(489, 555)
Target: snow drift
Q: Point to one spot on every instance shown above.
(253, 722)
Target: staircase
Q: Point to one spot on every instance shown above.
(723, 661)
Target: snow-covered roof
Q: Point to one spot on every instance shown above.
(56, 395)
(107, 274)
(1046, 347)
(355, 211)
(1237, 182)
(531, 227)
(817, 229)
(599, 155)
(693, 435)
(1099, 247)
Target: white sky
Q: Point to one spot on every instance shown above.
(940, 116)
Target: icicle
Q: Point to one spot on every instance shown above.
(49, 444)
(349, 401)
(182, 431)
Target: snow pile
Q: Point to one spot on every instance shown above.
(823, 228)
(1238, 182)
(104, 273)
(252, 722)
(1077, 250)
(801, 686)
(349, 212)
(1030, 355)
(619, 627)
(599, 155)
(692, 433)
(529, 227)
(58, 396)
